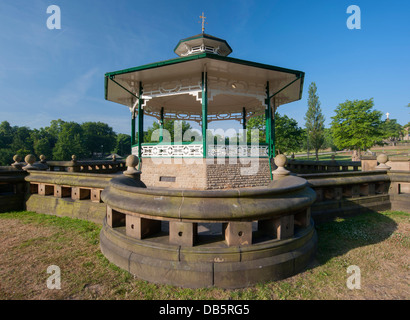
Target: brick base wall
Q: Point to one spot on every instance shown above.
(174, 173)
(201, 174)
(238, 175)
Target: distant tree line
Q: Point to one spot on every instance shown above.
(355, 126)
(60, 140)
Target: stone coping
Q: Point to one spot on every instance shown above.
(10, 174)
(96, 180)
(290, 184)
(399, 176)
(337, 181)
(282, 197)
(344, 174)
(325, 162)
(54, 163)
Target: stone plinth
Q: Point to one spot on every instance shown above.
(205, 174)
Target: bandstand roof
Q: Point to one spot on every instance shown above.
(176, 86)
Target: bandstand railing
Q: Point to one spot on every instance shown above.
(195, 149)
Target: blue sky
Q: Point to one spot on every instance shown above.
(50, 74)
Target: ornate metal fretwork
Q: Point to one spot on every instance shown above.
(257, 151)
(190, 86)
(236, 87)
(176, 150)
(196, 150)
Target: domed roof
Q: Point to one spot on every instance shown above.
(202, 43)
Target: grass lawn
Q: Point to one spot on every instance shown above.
(378, 243)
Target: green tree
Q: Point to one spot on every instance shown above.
(6, 156)
(315, 121)
(98, 137)
(6, 135)
(22, 142)
(43, 142)
(55, 128)
(123, 144)
(69, 142)
(257, 122)
(391, 130)
(288, 135)
(356, 125)
(172, 126)
(329, 143)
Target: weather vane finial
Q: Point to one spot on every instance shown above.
(203, 22)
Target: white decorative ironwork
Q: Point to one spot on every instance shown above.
(196, 150)
(236, 87)
(199, 49)
(259, 151)
(176, 150)
(190, 86)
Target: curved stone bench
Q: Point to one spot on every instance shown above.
(267, 233)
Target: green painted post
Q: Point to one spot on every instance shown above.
(140, 123)
(244, 119)
(274, 129)
(244, 125)
(132, 129)
(204, 112)
(161, 127)
(268, 126)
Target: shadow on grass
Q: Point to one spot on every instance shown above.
(339, 236)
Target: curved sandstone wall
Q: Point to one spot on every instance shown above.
(155, 233)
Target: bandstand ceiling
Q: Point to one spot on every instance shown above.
(176, 86)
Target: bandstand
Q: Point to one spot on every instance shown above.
(166, 221)
(203, 84)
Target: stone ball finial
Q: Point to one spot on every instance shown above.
(17, 158)
(17, 162)
(30, 159)
(131, 162)
(281, 161)
(43, 164)
(73, 158)
(114, 158)
(382, 159)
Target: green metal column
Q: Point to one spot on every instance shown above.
(140, 123)
(273, 129)
(244, 119)
(244, 125)
(268, 125)
(204, 112)
(161, 126)
(132, 129)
